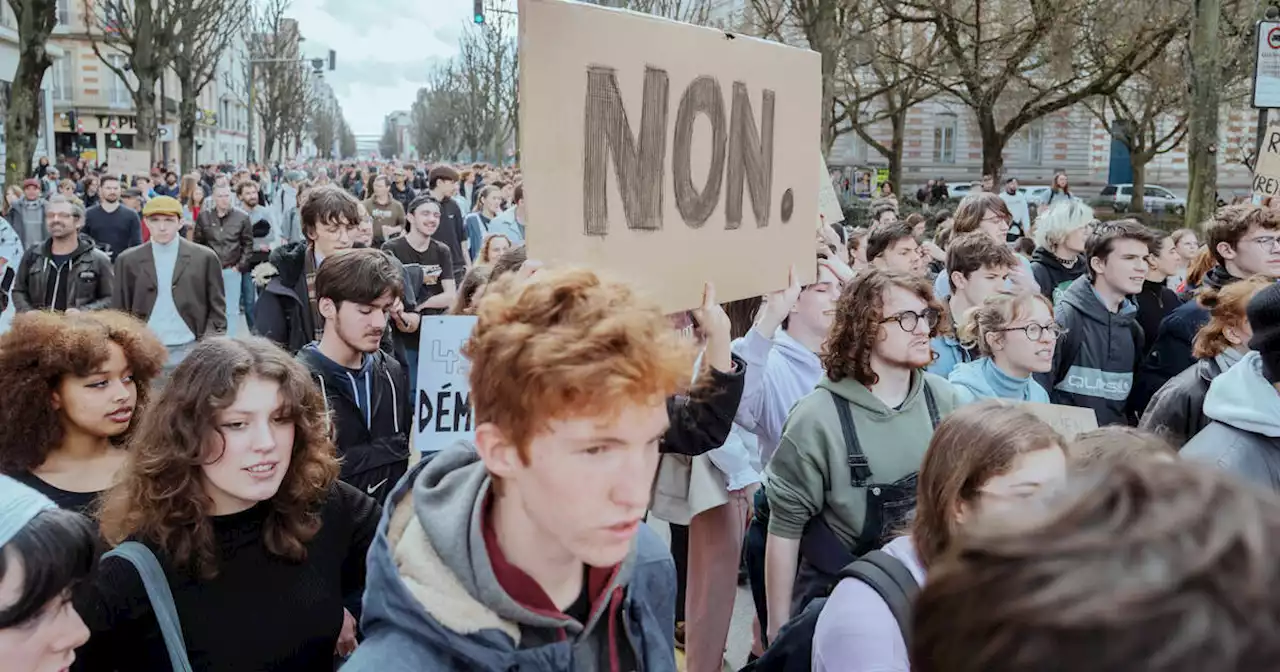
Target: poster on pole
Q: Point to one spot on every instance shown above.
(442, 403)
(133, 162)
(1266, 170)
(666, 153)
(828, 202)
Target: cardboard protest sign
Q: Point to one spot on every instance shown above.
(1066, 420)
(128, 162)
(828, 202)
(1266, 171)
(442, 408)
(667, 153)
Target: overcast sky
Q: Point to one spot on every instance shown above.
(385, 49)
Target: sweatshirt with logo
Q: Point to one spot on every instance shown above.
(1095, 360)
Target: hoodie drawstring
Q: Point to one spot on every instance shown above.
(395, 412)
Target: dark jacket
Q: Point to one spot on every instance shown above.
(1170, 351)
(197, 286)
(384, 439)
(230, 236)
(405, 196)
(702, 421)
(1155, 302)
(89, 280)
(1176, 412)
(1051, 275)
(1094, 362)
(1244, 435)
(283, 312)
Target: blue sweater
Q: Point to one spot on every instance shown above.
(982, 379)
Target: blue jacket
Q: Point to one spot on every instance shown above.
(432, 602)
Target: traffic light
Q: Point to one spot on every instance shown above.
(71, 121)
(479, 11)
(333, 59)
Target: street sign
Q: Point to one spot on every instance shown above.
(1266, 65)
(165, 132)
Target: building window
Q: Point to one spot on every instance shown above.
(944, 139)
(64, 12)
(1035, 143)
(62, 79)
(224, 120)
(120, 95)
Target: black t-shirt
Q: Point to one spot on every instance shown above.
(56, 291)
(436, 263)
(80, 502)
(580, 610)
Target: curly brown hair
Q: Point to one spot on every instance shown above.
(859, 310)
(43, 347)
(161, 499)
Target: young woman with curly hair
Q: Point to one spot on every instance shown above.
(232, 484)
(75, 383)
(494, 246)
(843, 477)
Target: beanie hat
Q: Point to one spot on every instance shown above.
(1264, 319)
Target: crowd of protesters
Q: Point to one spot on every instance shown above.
(207, 457)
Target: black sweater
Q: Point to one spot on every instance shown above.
(261, 612)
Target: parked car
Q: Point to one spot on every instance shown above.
(958, 190)
(1156, 198)
(1035, 194)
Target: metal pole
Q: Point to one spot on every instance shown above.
(253, 120)
(1262, 134)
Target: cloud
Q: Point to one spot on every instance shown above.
(386, 49)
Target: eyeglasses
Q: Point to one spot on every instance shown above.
(908, 320)
(1035, 331)
(1265, 242)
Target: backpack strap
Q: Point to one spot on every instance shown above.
(892, 581)
(859, 467)
(157, 587)
(931, 402)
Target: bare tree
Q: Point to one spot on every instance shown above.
(325, 126)
(819, 25)
(437, 116)
(141, 34)
(199, 46)
(346, 140)
(280, 79)
(1015, 61)
(874, 86)
(36, 20)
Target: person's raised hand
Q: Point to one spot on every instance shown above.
(716, 328)
(778, 305)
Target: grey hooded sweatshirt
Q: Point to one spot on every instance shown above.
(433, 600)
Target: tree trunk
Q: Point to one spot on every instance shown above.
(1138, 163)
(268, 145)
(145, 139)
(896, 145)
(824, 38)
(22, 120)
(187, 127)
(1202, 135)
(992, 145)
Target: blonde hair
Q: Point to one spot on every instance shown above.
(1059, 221)
(996, 313)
